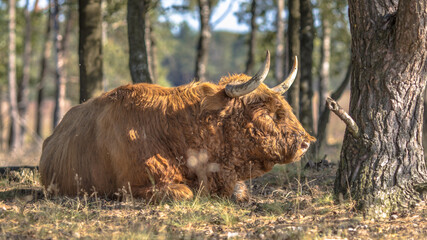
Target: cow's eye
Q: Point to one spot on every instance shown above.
(275, 117)
(271, 116)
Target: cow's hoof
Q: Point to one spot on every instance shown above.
(241, 193)
(179, 192)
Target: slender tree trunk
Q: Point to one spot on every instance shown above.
(61, 42)
(252, 40)
(384, 169)
(1, 119)
(25, 81)
(325, 57)
(306, 81)
(148, 44)
(322, 124)
(90, 48)
(137, 18)
(58, 60)
(280, 33)
(104, 41)
(43, 70)
(204, 39)
(15, 136)
(153, 54)
(294, 50)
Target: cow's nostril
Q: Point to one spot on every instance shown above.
(305, 145)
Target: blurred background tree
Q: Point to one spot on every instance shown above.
(239, 34)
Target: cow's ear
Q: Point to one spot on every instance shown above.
(215, 102)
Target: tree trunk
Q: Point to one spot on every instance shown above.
(90, 49)
(15, 141)
(149, 43)
(325, 57)
(252, 40)
(204, 39)
(280, 33)
(153, 55)
(137, 19)
(25, 81)
(1, 118)
(322, 124)
(58, 61)
(43, 70)
(294, 50)
(306, 81)
(384, 168)
(60, 47)
(425, 125)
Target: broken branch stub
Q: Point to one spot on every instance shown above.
(343, 115)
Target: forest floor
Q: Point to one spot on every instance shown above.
(286, 203)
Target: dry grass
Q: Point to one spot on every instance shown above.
(284, 206)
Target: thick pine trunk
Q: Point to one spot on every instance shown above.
(15, 141)
(204, 39)
(43, 70)
(306, 81)
(294, 50)
(252, 40)
(384, 168)
(137, 19)
(90, 49)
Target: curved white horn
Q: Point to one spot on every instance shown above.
(285, 85)
(237, 90)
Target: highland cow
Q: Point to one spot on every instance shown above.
(170, 142)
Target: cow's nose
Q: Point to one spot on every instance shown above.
(305, 145)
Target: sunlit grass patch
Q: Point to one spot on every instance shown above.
(297, 208)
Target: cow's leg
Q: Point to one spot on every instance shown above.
(160, 192)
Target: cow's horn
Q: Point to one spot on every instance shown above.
(237, 90)
(285, 85)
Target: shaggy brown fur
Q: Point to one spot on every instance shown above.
(170, 142)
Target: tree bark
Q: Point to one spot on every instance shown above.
(43, 70)
(280, 33)
(204, 39)
(26, 65)
(306, 81)
(1, 118)
(425, 125)
(60, 42)
(15, 141)
(294, 50)
(137, 18)
(90, 48)
(252, 40)
(384, 169)
(325, 58)
(150, 46)
(153, 55)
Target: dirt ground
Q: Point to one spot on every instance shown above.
(288, 203)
